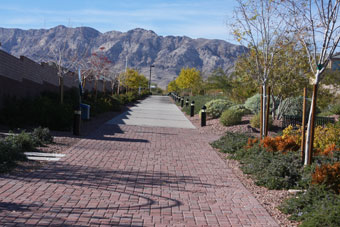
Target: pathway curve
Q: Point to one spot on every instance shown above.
(128, 175)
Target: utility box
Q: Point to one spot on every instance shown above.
(85, 111)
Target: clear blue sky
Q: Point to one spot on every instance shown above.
(193, 18)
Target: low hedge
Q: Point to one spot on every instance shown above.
(46, 110)
(12, 147)
(318, 204)
(231, 117)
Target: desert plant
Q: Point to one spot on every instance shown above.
(254, 103)
(9, 155)
(231, 142)
(23, 141)
(335, 109)
(42, 135)
(290, 106)
(216, 107)
(231, 117)
(315, 207)
(241, 108)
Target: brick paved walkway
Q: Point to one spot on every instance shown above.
(132, 176)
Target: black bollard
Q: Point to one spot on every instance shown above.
(182, 102)
(76, 122)
(187, 103)
(203, 116)
(192, 109)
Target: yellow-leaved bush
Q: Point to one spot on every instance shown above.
(325, 138)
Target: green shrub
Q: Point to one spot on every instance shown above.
(231, 117)
(230, 142)
(315, 207)
(241, 108)
(217, 106)
(9, 156)
(44, 110)
(255, 121)
(276, 170)
(254, 103)
(335, 109)
(327, 215)
(200, 101)
(293, 106)
(23, 141)
(273, 170)
(42, 135)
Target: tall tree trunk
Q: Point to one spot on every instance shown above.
(84, 83)
(264, 87)
(310, 129)
(61, 89)
(95, 89)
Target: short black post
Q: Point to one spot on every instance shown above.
(76, 122)
(182, 102)
(187, 103)
(77, 112)
(192, 109)
(203, 116)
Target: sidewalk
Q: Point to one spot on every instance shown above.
(127, 175)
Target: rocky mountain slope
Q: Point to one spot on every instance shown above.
(138, 47)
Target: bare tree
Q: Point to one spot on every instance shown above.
(259, 26)
(65, 61)
(317, 27)
(100, 66)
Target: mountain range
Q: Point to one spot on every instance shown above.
(137, 48)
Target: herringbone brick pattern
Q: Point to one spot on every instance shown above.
(132, 176)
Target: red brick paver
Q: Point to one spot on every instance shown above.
(132, 176)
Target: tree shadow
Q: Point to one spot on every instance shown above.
(94, 177)
(133, 184)
(108, 132)
(14, 207)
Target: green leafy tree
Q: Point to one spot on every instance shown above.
(316, 26)
(219, 80)
(290, 74)
(258, 25)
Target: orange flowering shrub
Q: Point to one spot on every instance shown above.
(251, 142)
(274, 144)
(279, 143)
(328, 175)
(328, 151)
